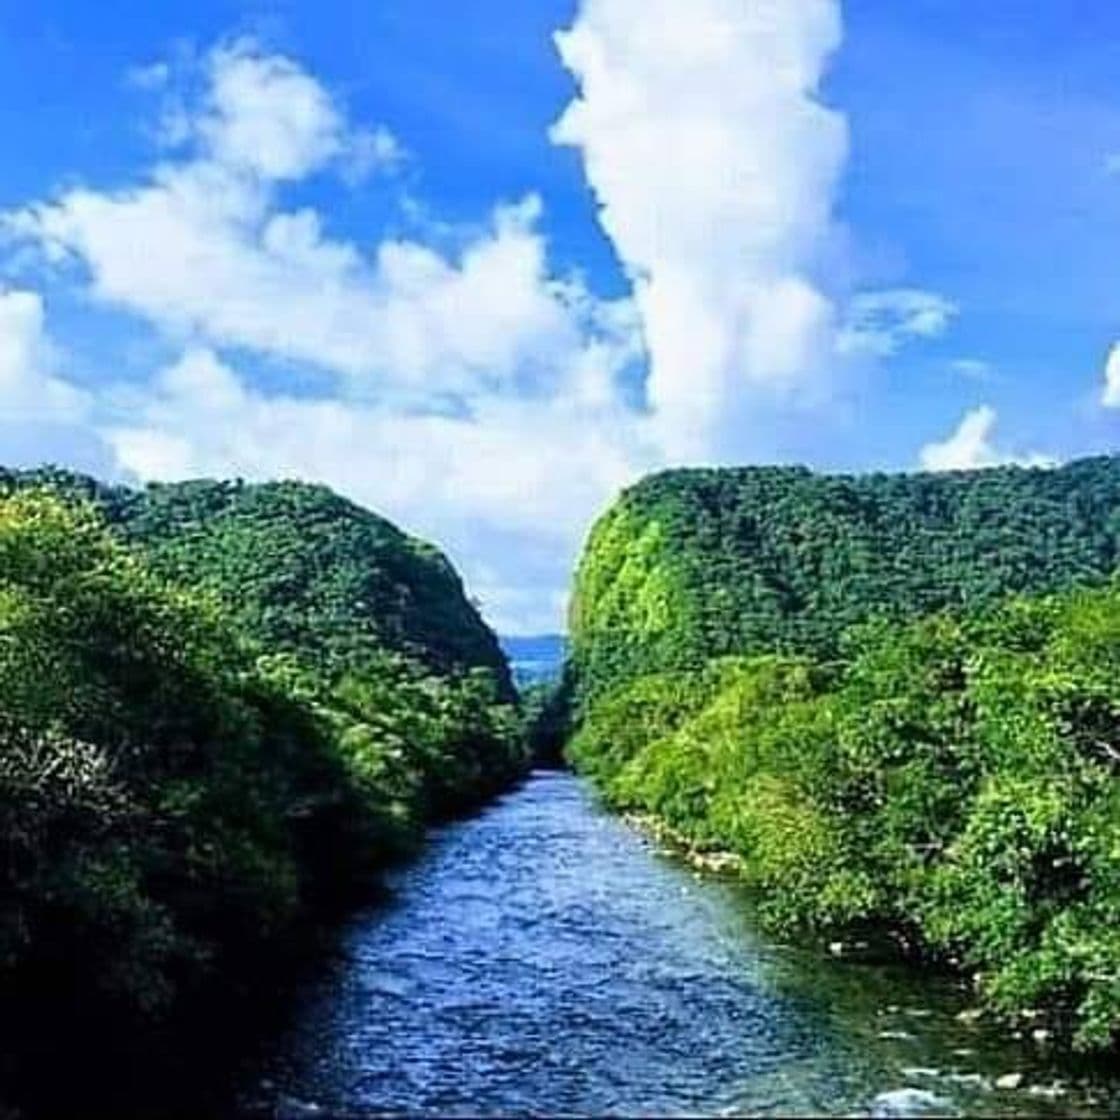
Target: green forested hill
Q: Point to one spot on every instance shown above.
(308, 570)
(694, 563)
(220, 704)
(299, 568)
(895, 700)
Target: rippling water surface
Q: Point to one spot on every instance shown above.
(544, 958)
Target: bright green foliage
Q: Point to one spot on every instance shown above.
(375, 626)
(691, 564)
(955, 781)
(299, 569)
(745, 666)
(143, 779)
(184, 773)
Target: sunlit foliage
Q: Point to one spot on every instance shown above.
(193, 755)
(952, 779)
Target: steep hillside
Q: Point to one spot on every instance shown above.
(306, 569)
(690, 564)
(949, 779)
(299, 569)
(220, 707)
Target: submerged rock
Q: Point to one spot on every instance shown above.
(1052, 1091)
(291, 1108)
(911, 1102)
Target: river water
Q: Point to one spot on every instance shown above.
(544, 958)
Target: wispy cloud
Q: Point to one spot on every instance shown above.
(975, 369)
(880, 323)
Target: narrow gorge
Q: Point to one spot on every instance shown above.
(276, 845)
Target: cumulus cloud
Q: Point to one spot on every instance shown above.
(262, 113)
(507, 490)
(501, 464)
(469, 381)
(202, 250)
(970, 447)
(879, 323)
(714, 164)
(29, 387)
(471, 392)
(266, 115)
(43, 416)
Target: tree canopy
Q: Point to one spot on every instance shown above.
(219, 705)
(842, 682)
(690, 564)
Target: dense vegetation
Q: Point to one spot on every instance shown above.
(304, 570)
(951, 778)
(691, 564)
(219, 705)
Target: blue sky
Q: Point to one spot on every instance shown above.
(353, 243)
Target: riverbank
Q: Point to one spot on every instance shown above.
(879, 946)
(544, 957)
(186, 1066)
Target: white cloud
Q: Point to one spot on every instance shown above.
(479, 398)
(43, 416)
(879, 323)
(1110, 394)
(201, 250)
(511, 462)
(970, 447)
(267, 115)
(527, 364)
(714, 165)
(29, 387)
(508, 490)
(264, 114)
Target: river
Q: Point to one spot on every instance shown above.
(544, 958)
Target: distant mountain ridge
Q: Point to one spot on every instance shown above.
(534, 659)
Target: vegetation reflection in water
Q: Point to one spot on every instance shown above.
(544, 958)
